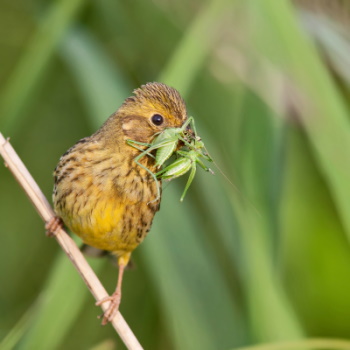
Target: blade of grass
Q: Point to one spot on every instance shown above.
(11, 340)
(317, 344)
(258, 165)
(332, 39)
(186, 270)
(311, 229)
(58, 310)
(271, 313)
(191, 52)
(103, 90)
(323, 113)
(52, 26)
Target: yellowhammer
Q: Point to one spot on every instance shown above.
(100, 193)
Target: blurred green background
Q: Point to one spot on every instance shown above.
(260, 255)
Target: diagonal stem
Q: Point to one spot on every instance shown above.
(20, 172)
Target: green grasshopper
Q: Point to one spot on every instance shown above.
(188, 161)
(165, 144)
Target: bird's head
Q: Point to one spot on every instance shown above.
(153, 108)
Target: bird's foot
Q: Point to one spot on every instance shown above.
(113, 308)
(53, 226)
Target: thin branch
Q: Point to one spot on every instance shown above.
(20, 172)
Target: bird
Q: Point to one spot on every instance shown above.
(101, 194)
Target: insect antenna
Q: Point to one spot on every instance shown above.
(234, 186)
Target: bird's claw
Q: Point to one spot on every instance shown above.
(53, 226)
(113, 308)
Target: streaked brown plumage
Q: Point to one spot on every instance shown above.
(100, 193)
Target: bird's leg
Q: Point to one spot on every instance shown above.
(52, 226)
(115, 298)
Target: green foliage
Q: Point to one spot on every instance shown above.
(257, 254)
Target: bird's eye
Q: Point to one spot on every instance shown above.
(157, 119)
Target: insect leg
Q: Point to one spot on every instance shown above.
(202, 165)
(151, 173)
(133, 143)
(189, 181)
(192, 124)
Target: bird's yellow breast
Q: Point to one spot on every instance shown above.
(98, 223)
(108, 208)
(98, 218)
